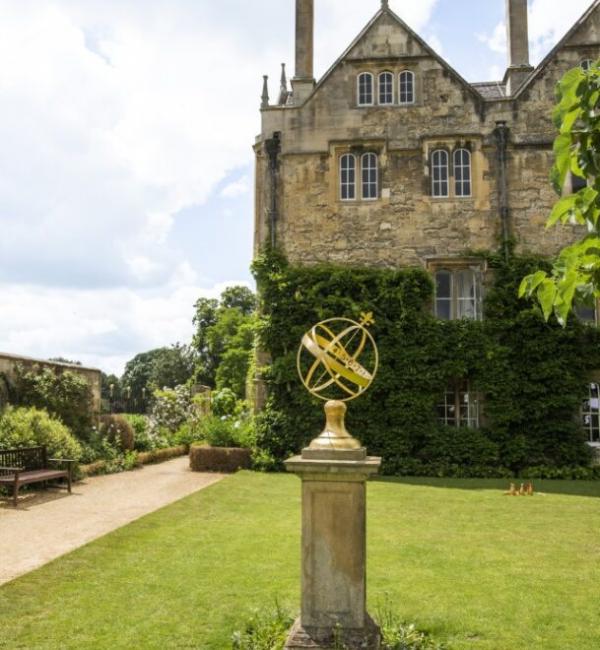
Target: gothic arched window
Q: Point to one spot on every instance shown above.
(365, 89)
(386, 88)
(586, 64)
(368, 164)
(407, 87)
(348, 177)
(462, 172)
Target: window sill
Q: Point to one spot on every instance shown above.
(350, 202)
(451, 199)
(361, 106)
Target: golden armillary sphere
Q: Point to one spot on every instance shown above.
(337, 362)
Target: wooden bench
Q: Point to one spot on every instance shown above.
(31, 465)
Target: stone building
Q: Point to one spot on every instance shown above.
(392, 159)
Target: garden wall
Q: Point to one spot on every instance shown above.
(9, 363)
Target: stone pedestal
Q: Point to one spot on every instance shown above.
(334, 550)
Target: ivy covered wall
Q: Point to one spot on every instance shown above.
(531, 376)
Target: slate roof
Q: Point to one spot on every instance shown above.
(490, 90)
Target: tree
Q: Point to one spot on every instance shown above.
(575, 275)
(224, 338)
(63, 393)
(205, 318)
(159, 368)
(240, 298)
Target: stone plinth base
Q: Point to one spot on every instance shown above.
(301, 638)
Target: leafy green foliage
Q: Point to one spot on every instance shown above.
(240, 298)
(224, 339)
(156, 369)
(66, 395)
(32, 427)
(531, 375)
(575, 275)
(264, 630)
(118, 431)
(223, 402)
(227, 431)
(398, 635)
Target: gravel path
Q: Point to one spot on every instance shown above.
(49, 523)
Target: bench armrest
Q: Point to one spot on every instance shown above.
(12, 469)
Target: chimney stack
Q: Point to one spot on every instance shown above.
(304, 81)
(518, 45)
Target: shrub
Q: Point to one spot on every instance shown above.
(66, 395)
(219, 459)
(227, 432)
(119, 463)
(143, 440)
(171, 408)
(187, 434)
(32, 427)
(264, 630)
(223, 402)
(117, 431)
(158, 455)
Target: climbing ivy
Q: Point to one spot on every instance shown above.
(531, 374)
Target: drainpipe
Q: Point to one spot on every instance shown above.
(273, 147)
(501, 134)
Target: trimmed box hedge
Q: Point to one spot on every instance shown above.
(204, 458)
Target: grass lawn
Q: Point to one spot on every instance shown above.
(474, 568)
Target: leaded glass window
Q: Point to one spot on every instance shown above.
(386, 88)
(462, 172)
(590, 413)
(586, 64)
(407, 87)
(439, 173)
(348, 177)
(460, 406)
(369, 176)
(365, 89)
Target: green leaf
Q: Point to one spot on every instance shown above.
(530, 283)
(546, 295)
(562, 153)
(562, 209)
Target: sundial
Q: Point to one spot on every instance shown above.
(337, 362)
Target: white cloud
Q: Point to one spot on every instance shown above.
(497, 40)
(237, 188)
(116, 116)
(549, 20)
(101, 329)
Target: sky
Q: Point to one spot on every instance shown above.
(126, 163)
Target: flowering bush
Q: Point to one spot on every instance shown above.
(171, 408)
